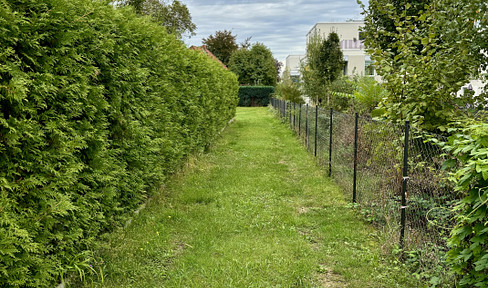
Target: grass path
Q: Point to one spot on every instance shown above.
(256, 211)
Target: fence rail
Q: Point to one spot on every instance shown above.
(391, 171)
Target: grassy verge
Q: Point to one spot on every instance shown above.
(256, 211)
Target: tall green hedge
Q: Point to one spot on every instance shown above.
(255, 95)
(97, 107)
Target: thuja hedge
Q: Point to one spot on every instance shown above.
(255, 95)
(97, 106)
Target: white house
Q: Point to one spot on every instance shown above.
(357, 61)
(293, 64)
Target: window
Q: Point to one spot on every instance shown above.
(368, 66)
(361, 35)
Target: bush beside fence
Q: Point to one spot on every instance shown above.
(98, 107)
(392, 172)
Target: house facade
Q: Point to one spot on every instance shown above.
(358, 62)
(293, 64)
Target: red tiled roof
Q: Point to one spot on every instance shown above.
(204, 49)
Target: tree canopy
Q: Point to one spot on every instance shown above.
(426, 61)
(175, 16)
(255, 66)
(222, 45)
(381, 20)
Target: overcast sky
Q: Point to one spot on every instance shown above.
(280, 25)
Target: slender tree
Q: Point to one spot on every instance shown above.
(331, 58)
(278, 66)
(324, 65)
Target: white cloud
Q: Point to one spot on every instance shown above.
(280, 25)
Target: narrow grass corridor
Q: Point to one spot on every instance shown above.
(255, 211)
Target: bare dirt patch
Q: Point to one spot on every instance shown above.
(327, 278)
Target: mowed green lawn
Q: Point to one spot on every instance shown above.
(256, 211)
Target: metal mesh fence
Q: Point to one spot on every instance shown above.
(379, 174)
(323, 137)
(402, 191)
(342, 162)
(430, 202)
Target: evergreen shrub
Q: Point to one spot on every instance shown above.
(97, 107)
(255, 95)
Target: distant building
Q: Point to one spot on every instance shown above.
(293, 64)
(357, 61)
(205, 50)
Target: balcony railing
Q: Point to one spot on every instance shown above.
(352, 44)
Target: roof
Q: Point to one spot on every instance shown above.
(205, 50)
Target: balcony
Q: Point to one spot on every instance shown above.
(352, 45)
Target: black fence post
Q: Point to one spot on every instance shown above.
(404, 185)
(306, 126)
(316, 117)
(330, 142)
(286, 111)
(294, 116)
(299, 120)
(354, 183)
(289, 116)
(281, 108)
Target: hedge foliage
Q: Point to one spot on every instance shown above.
(468, 243)
(255, 95)
(97, 106)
